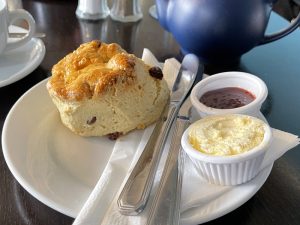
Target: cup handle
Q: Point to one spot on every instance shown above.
(273, 37)
(16, 15)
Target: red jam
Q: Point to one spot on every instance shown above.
(227, 98)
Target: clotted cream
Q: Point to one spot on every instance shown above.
(229, 134)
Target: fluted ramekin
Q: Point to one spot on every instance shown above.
(232, 169)
(246, 81)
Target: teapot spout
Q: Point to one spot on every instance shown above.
(162, 12)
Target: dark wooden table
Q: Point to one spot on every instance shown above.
(277, 202)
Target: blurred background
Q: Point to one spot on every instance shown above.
(287, 8)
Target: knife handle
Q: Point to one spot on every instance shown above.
(135, 193)
(165, 208)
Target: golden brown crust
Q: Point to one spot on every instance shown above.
(99, 89)
(90, 70)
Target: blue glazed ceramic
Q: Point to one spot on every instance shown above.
(219, 31)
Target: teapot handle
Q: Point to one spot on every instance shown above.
(273, 37)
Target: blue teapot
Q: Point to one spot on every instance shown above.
(219, 31)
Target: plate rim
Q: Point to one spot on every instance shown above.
(22, 181)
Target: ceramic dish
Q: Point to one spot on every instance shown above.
(228, 169)
(60, 168)
(245, 81)
(20, 62)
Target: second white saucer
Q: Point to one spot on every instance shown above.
(18, 63)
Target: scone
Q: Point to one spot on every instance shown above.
(100, 89)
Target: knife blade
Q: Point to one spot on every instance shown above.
(165, 207)
(135, 193)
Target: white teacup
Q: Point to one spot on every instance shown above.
(9, 17)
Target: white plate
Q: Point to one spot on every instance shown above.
(60, 168)
(18, 63)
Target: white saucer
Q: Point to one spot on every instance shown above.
(18, 63)
(61, 169)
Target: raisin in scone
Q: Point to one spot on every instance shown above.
(100, 89)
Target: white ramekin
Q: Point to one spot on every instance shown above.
(228, 170)
(242, 80)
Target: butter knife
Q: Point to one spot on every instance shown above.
(165, 207)
(135, 194)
